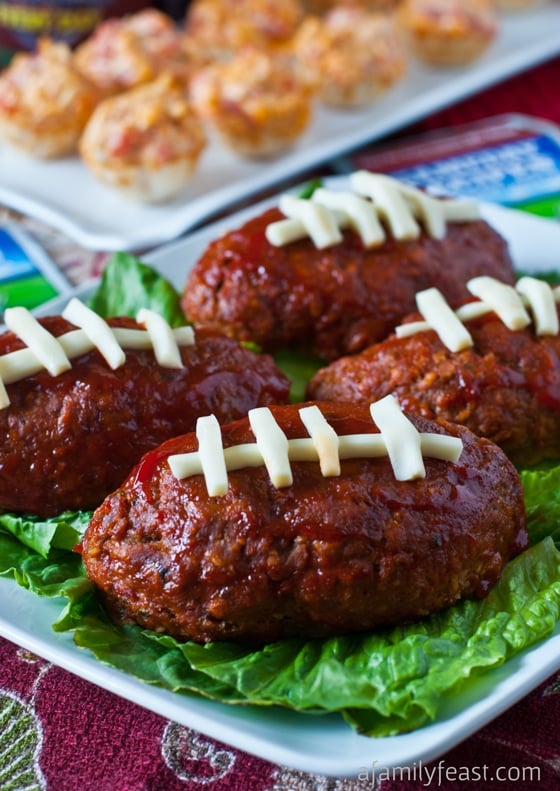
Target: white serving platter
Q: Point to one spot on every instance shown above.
(63, 194)
(319, 744)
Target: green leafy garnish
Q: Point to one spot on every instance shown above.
(127, 285)
(299, 368)
(62, 532)
(308, 189)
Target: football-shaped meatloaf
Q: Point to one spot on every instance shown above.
(244, 551)
(70, 435)
(503, 381)
(336, 273)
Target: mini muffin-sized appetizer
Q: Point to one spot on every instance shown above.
(352, 55)
(333, 274)
(217, 30)
(127, 51)
(324, 6)
(449, 32)
(295, 521)
(44, 101)
(493, 365)
(257, 102)
(82, 399)
(145, 142)
(518, 5)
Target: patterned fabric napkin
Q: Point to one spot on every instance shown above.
(61, 733)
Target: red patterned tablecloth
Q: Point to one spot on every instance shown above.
(61, 733)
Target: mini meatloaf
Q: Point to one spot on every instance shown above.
(333, 301)
(69, 440)
(322, 556)
(506, 387)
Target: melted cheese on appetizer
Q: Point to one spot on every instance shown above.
(146, 141)
(44, 101)
(353, 56)
(398, 439)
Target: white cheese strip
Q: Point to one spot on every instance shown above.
(441, 446)
(4, 397)
(540, 299)
(17, 365)
(442, 319)
(236, 457)
(359, 214)
(467, 312)
(324, 438)
(411, 328)
(472, 310)
(460, 210)
(166, 349)
(375, 196)
(427, 209)
(284, 232)
(502, 298)
(211, 454)
(401, 439)
(23, 362)
(351, 446)
(319, 222)
(44, 346)
(97, 330)
(130, 338)
(533, 293)
(273, 445)
(386, 194)
(435, 213)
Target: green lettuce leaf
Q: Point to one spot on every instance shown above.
(60, 574)
(299, 368)
(541, 489)
(127, 284)
(382, 683)
(63, 531)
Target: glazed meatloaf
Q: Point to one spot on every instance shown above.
(68, 440)
(331, 301)
(318, 556)
(505, 387)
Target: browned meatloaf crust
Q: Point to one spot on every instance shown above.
(506, 387)
(67, 441)
(334, 301)
(322, 557)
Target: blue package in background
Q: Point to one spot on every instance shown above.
(512, 160)
(28, 277)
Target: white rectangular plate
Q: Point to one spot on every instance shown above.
(63, 194)
(319, 744)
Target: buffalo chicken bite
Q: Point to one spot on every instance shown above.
(499, 376)
(146, 142)
(336, 273)
(70, 434)
(125, 52)
(257, 102)
(217, 31)
(449, 32)
(245, 540)
(45, 102)
(353, 56)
